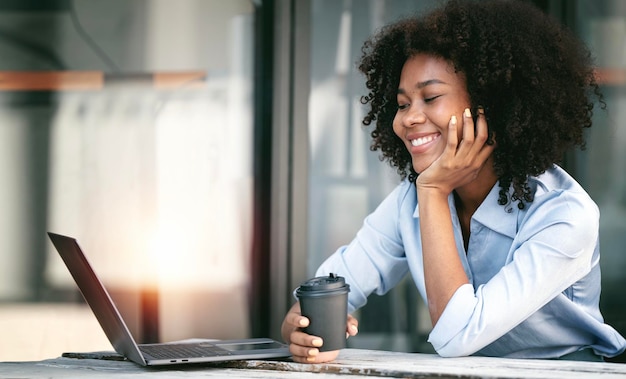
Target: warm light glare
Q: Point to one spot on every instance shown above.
(166, 256)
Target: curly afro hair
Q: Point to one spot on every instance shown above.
(533, 77)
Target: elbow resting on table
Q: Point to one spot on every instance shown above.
(448, 335)
(454, 348)
(456, 352)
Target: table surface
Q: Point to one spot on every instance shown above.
(351, 362)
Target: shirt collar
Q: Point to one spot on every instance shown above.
(499, 218)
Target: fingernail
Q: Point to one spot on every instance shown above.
(313, 352)
(310, 359)
(453, 120)
(354, 329)
(481, 110)
(303, 322)
(317, 342)
(468, 113)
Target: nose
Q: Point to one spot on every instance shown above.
(413, 115)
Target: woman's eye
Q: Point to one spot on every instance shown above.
(403, 106)
(429, 99)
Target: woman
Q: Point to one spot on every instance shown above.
(474, 104)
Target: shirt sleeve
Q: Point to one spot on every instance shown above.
(375, 260)
(552, 249)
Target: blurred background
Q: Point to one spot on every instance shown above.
(209, 155)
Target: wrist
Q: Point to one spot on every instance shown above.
(431, 192)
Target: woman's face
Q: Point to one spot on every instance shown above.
(429, 94)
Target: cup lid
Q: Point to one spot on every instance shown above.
(323, 283)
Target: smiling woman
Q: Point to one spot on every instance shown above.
(501, 242)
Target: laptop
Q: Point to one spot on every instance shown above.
(157, 353)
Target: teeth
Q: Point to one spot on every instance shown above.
(422, 140)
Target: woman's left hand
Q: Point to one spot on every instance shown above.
(461, 161)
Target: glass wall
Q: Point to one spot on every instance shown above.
(601, 168)
(128, 125)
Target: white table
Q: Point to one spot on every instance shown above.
(351, 363)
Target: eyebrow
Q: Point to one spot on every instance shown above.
(423, 84)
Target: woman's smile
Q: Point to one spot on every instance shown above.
(420, 144)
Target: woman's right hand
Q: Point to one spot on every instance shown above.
(305, 347)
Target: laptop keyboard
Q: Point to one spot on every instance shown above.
(183, 350)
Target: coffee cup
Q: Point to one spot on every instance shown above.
(324, 301)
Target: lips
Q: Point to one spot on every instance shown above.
(422, 140)
(421, 143)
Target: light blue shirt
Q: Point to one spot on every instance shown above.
(534, 274)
